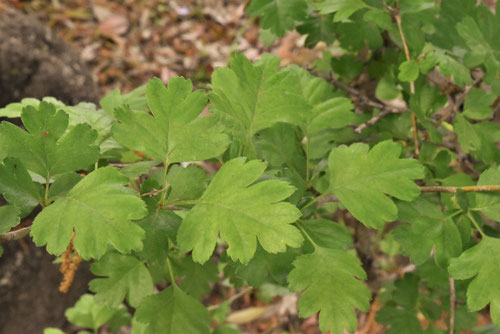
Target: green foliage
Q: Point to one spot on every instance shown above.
(241, 214)
(177, 194)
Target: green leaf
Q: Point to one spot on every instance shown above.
(53, 331)
(172, 311)
(175, 132)
(329, 280)
(186, 183)
(47, 149)
(160, 227)
(489, 203)
(408, 71)
(251, 97)
(277, 15)
(99, 210)
(87, 313)
(429, 228)
(327, 234)
(17, 186)
(480, 263)
(9, 217)
(400, 320)
(134, 99)
(477, 104)
(135, 170)
(126, 276)
(63, 184)
(318, 29)
(280, 145)
(242, 213)
(343, 8)
(197, 277)
(360, 177)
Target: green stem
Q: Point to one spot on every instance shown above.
(163, 196)
(47, 187)
(299, 225)
(473, 220)
(308, 167)
(170, 271)
(314, 201)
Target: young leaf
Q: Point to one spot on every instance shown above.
(172, 311)
(9, 217)
(126, 276)
(17, 186)
(175, 132)
(429, 228)
(252, 97)
(197, 277)
(408, 71)
(160, 227)
(329, 280)
(477, 104)
(99, 210)
(360, 177)
(242, 213)
(87, 313)
(489, 203)
(45, 149)
(278, 16)
(480, 263)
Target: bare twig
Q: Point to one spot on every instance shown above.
(451, 327)
(362, 99)
(153, 192)
(412, 84)
(453, 106)
(488, 188)
(15, 235)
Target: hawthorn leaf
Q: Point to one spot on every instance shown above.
(9, 217)
(343, 8)
(17, 186)
(47, 149)
(327, 234)
(329, 278)
(429, 227)
(63, 183)
(172, 311)
(197, 277)
(87, 313)
(159, 227)
(481, 264)
(360, 178)
(400, 320)
(135, 170)
(186, 183)
(327, 110)
(174, 132)
(408, 71)
(280, 145)
(241, 213)
(126, 276)
(477, 104)
(251, 97)
(489, 202)
(277, 15)
(99, 209)
(318, 28)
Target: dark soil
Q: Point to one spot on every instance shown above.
(34, 62)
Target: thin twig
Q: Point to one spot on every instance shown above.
(451, 327)
(412, 84)
(231, 299)
(15, 235)
(453, 106)
(153, 192)
(362, 99)
(488, 188)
